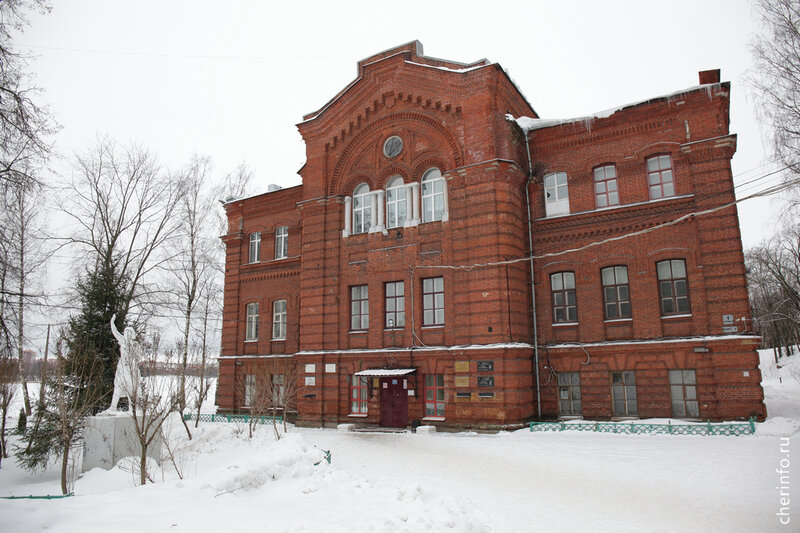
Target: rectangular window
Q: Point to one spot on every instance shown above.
(433, 302)
(255, 247)
(282, 242)
(616, 297)
(556, 197)
(605, 186)
(434, 395)
(251, 332)
(683, 389)
(562, 287)
(359, 308)
(359, 394)
(659, 177)
(623, 393)
(569, 394)
(279, 320)
(673, 287)
(249, 390)
(278, 389)
(395, 304)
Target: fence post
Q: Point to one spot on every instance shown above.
(752, 424)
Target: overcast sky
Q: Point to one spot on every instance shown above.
(231, 79)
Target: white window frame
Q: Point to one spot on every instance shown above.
(606, 191)
(282, 242)
(359, 308)
(279, 320)
(624, 392)
(433, 301)
(556, 194)
(254, 255)
(249, 390)
(251, 331)
(434, 196)
(396, 203)
(660, 176)
(362, 209)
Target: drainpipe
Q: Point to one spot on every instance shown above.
(533, 289)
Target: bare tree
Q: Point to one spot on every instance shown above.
(151, 399)
(8, 385)
(774, 280)
(776, 78)
(124, 205)
(192, 259)
(24, 125)
(29, 247)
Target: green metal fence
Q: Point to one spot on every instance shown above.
(47, 497)
(729, 429)
(245, 419)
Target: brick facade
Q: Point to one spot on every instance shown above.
(473, 327)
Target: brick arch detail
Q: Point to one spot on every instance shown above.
(356, 180)
(414, 120)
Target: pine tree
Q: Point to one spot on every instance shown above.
(102, 294)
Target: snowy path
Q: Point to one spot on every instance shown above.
(579, 482)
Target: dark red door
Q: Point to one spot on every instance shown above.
(394, 402)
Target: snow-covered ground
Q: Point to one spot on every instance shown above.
(506, 482)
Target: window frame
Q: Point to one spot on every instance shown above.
(359, 395)
(438, 398)
(279, 318)
(572, 386)
(430, 179)
(433, 302)
(660, 177)
(278, 389)
(359, 296)
(682, 386)
(606, 182)
(281, 242)
(249, 390)
(564, 292)
(626, 385)
(362, 194)
(251, 322)
(396, 186)
(673, 283)
(398, 305)
(254, 251)
(554, 204)
(618, 302)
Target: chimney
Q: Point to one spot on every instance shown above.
(709, 76)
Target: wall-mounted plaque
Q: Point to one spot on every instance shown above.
(462, 381)
(485, 381)
(462, 367)
(485, 366)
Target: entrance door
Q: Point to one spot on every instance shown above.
(394, 402)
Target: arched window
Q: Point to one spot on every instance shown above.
(396, 204)
(433, 195)
(362, 209)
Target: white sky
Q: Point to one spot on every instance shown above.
(231, 79)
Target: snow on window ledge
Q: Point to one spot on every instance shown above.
(562, 324)
(357, 415)
(667, 317)
(434, 418)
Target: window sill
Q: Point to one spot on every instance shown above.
(357, 415)
(278, 340)
(612, 320)
(562, 324)
(394, 329)
(434, 326)
(358, 331)
(433, 418)
(668, 317)
(250, 340)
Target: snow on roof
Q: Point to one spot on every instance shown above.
(466, 68)
(380, 372)
(528, 124)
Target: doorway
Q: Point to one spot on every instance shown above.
(394, 402)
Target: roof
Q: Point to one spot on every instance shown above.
(382, 372)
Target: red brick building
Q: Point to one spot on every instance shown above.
(396, 280)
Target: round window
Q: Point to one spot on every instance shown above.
(393, 146)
